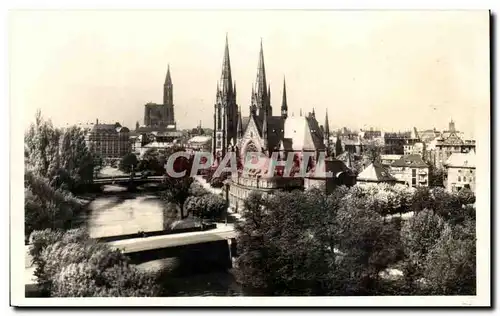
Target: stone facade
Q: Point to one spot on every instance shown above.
(460, 172)
(109, 141)
(411, 170)
(161, 115)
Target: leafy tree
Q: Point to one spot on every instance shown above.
(154, 161)
(252, 247)
(45, 206)
(419, 234)
(76, 159)
(177, 191)
(450, 267)
(436, 176)
(372, 151)
(206, 206)
(466, 196)
(338, 146)
(128, 163)
(42, 148)
(72, 264)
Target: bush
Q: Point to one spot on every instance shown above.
(207, 206)
(217, 182)
(71, 264)
(46, 207)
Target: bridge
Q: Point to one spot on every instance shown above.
(126, 179)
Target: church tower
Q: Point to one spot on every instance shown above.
(261, 93)
(168, 100)
(284, 105)
(225, 110)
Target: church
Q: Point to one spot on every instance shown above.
(161, 116)
(263, 132)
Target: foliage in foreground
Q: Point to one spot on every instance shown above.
(310, 243)
(70, 264)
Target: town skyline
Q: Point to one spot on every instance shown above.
(102, 74)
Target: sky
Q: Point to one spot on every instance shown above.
(392, 70)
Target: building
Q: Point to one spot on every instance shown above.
(375, 173)
(411, 170)
(200, 143)
(261, 132)
(387, 160)
(448, 143)
(461, 172)
(109, 141)
(417, 148)
(400, 143)
(226, 109)
(162, 115)
(160, 140)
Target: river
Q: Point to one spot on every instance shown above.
(118, 212)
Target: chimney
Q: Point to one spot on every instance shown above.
(96, 121)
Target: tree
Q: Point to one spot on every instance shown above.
(71, 264)
(45, 206)
(466, 196)
(450, 267)
(338, 146)
(251, 246)
(372, 151)
(128, 163)
(310, 243)
(177, 191)
(152, 160)
(436, 176)
(42, 148)
(76, 159)
(419, 234)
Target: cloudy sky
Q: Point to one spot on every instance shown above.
(383, 69)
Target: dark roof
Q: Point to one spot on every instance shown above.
(275, 129)
(106, 127)
(316, 133)
(149, 129)
(375, 172)
(410, 161)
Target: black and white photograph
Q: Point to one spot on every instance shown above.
(250, 157)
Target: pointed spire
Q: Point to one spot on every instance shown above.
(168, 79)
(300, 113)
(313, 113)
(261, 84)
(226, 80)
(284, 105)
(327, 125)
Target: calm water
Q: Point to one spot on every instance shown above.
(118, 212)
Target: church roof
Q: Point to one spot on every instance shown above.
(375, 172)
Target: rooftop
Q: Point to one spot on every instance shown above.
(465, 160)
(375, 172)
(410, 161)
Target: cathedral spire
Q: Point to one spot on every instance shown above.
(168, 79)
(226, 79)
(284, 105)
(261, 84)
(327, 125)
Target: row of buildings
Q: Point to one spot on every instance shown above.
(407, 156)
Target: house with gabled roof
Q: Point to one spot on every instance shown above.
(411, 170)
